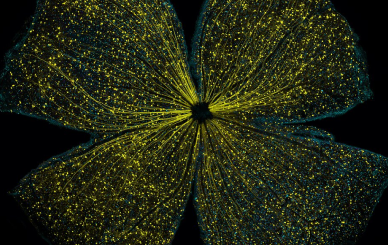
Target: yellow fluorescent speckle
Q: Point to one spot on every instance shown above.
(228, 126)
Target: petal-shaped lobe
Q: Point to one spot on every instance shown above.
(288, 60)
(100, 65)
(127, 190)
(284, 185)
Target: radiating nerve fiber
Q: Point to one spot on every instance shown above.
(102, 68)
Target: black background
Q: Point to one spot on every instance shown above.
(27, 142)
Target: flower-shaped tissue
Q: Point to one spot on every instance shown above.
(223, 122)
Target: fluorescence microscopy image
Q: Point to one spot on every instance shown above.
(220, 122)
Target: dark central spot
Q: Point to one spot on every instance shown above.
(201, 112)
